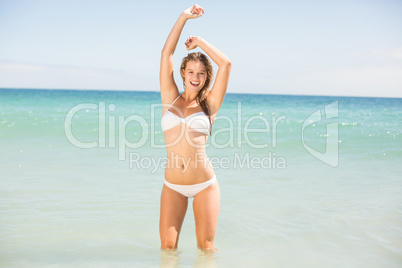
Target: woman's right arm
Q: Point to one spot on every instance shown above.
(169, 89)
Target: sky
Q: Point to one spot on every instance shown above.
(334, 48)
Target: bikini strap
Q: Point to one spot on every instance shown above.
(175, 100)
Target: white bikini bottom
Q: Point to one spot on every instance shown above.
(190, 190)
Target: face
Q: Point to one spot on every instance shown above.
(195, 76)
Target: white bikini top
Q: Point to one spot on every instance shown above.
(197, 121)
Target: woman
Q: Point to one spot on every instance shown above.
(187, 120)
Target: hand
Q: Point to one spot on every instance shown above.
(193, 12)
(192, 42)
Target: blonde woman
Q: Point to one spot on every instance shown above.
(186, 122)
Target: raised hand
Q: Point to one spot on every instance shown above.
(193, 12)
(192, 42)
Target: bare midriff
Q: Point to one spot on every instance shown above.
(187, 162)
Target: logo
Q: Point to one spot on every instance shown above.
(331, 155)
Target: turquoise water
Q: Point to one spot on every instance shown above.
(306, 181)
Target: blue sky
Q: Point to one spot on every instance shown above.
(344, 48)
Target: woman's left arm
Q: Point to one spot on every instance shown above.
(218, 91)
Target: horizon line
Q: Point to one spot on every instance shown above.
(157, 91)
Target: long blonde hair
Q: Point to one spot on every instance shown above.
(202, 94)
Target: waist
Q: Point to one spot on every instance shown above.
(186, 186)
(193, 161)
(188, 170)
(190, 177)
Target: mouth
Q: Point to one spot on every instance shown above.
(194, 83)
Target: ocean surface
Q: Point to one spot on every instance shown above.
(306, 181)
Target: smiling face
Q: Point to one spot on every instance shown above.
(194, 75)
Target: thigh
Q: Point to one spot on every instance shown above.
(206, 209)
(172, 211)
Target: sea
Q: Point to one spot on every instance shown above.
(306, 181)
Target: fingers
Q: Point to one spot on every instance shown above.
(197, 10)
(190, 44)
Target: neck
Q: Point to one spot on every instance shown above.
(189, 96)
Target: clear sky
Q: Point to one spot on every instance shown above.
(346, 48)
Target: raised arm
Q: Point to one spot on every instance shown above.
(218, 91)
(168, 86)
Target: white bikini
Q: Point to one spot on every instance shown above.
(197, 121)
(190, 190)
(200, 123)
